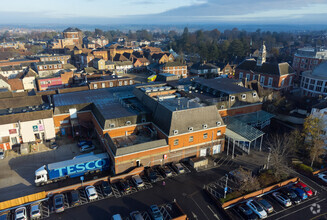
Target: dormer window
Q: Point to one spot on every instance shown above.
(218, 123)
(254, 94)
(190, 128)
(232, 98)
(175, 132)
(128, 122)
(204, 126)
(243, 96)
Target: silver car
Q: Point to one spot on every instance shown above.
(137, 181)
(35, 211)
(282, 199)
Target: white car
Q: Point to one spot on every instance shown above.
(323, 177)
(282, 199)
(137, 181)
(35, 211)
(179, 168)
(20, 214)
(257, 209)
(91, 193)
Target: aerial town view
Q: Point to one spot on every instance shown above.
(163, 110)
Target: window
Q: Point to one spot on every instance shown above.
(40, 67)
(190, 139)
(120, 83)
(111, 84)
(243, 96)
(95, 86)
(241, 75)
(248, 76)
(222, 106)
(262, 80)
(254, 77)
(125, 83)
(270, 81)
(112, 125)
(45, 67)
(131, 82)
(103, 85)
(128, 122)
(254, 94)
(205, 126)
(218, 123)
(55, 66)
(319, 83)
(232, 98)
(219, 133)
(176, 142)
(175, 132)
(312, 81)
(190, 128)
(59, 66)
(50, 66)
(205, 135)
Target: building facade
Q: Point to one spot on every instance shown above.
(314, 82)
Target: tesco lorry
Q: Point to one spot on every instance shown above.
(78, 166)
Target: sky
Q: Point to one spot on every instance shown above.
(163, 11)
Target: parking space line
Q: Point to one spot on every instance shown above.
(299, 209)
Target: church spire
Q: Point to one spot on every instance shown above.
(262, 55)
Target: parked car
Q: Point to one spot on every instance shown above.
(91, 193)
(291, 194)
(136, 215)
(300, 193)
(247, 212)
(155, 213)
(151, 174)
(35, 210)
(257, 209)
(2, 154)
(178, 168)
(58, 203)
(20, 214)
(74, 198)
(53, 145)
(322, 176)
(124, 186)
(305, 188)
(107, 191)
(116, 217)
(87, 148)
(84, 142)
(282, 199)
(266, 205)
(137, 181)
(165, 171)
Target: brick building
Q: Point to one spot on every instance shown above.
(101, 82)
(47, 68)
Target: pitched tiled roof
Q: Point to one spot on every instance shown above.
(48, 63)
(120, 57)
(16, 84)
(203, 66)
(70, 29)
(267, 68)
(169, 64)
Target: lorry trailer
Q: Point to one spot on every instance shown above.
(78, 166)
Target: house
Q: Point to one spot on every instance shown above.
(11, 72)
(277, 76)
(141, 62)
(122, 67)
(25, 119)
(99, 64)
(64, 59)
(64, 79)
(28, 79)
(85, 60)
(204, 69)
(176, 68)
(100, 82)
(226, 69)
(101, 54)
(120, 57)
(47, 68)
(16, 85)
(116, 49)
(160, 58)
(110, 65)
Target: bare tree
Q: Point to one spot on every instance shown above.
(246, 181)
(280, 148)
(316, 150)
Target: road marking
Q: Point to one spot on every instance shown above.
(214, 214)
(199, 208)
(298, 210)
(194, 215)
(319, 216)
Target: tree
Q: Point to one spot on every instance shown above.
(245, 180)
(316, 150)
(312, 129)
(280, 148)
(98, 32)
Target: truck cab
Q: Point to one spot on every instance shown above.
(41, 176)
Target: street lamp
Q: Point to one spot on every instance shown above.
(268, 159)
(225, 190)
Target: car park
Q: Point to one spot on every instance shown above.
(58, 203)
(246, 212)
(2, 154)
(107, 191)
(300, 193)
(151, 174)
(291, 195)
(155, 213)
(136, 215)
(265, 205)
(87, 148)
(282, 199)
(124, 186)
(165, 171)
(257, 209)
(137, 181)
(305, 188)
(84, 142)
(322, 177)
(74, 198)
(4, 215)
(178, 168)
(91, 193)
(20, 214)
(116, 217)
(35, 210)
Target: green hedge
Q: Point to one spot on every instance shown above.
(304, 168)
(230, 196)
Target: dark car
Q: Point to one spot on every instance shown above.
(53, 145)
(155, 213)
(151, 174)
(246, 212)
(124, 186)
(84, 142)
(300, 193)
(74, 198)
(291, 194)
(165, 171)
(107, 191)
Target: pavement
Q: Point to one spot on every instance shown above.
(17, 171)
